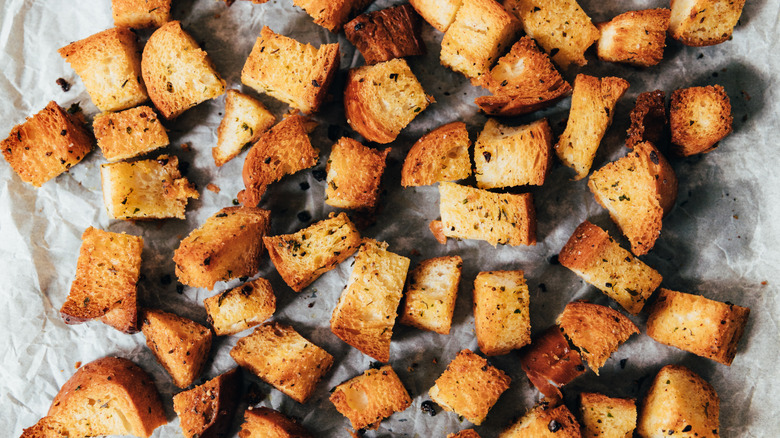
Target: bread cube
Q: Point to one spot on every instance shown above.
(365, 314)
(430, 294)
(508, 156)
(592, 107)
(438, 13)
(368, 399)
(635, 37)
(229, 245)
(696, 324)
(606, 417)
(332, 14)
(544, 421)
(46, 145)
(46, 427)
(265, 422)
(679, 404)
(440, 155)
(699, 118)
(354, 174)
(501, 312)
(386, 34)
(468, 433)
(129, 133)
(207, 410)
(138, 15)
(704, 22)
(177, 73)
(242, 307)
(245, 120)
(301, 257)
(380, 100)
(648, 119)
(469, 387)
(550, 363)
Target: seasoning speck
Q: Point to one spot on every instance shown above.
(427, 407)
(65, 85)
(304, 216)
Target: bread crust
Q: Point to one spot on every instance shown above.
(649, 120)
(635, 37)
(387, 34)
(501, 312)
(354, 172)
(440, 155)
(265, 422)
(207, 410)
(550, 363)
(129, 133)
(699, 118)
(368, 399)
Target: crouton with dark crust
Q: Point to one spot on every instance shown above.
(207, 410)
(386, 34)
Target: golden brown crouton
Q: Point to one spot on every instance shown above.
(592, 107)
(207, 410)
(550, 363)
(332, 14)
(129, 133)
(634, 37)
(470, 213)
(469, 386)
(281, 357)
(699, 118)
(468, 433)
(354, 174)
(430, 294)
(46, 427)
(138, 15)
(438, 13)
(501, 311)
(386, 34)
(508, 156)
(544, 421)
(229, 245)
(704, 22)
(648, 119)
(440, 155)
(696, 324)
(264, 422)
(46, 145)
(679, 404)
(300, 258)
(242, 307)
(244, 121)
(380, 100)
(177, 73)
(605, 417)
(368, 399)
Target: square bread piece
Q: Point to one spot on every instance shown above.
(138, 15)
(509, 156)
(550, 362)
(387, 34)
(699, 118)
(696, 324)
(438, 13)
(469, 387)
(207, 410)
(228, 245)
(440, 155)
(606, 417)
(354, 174)
(368, 399)
(635, 37)
(265, 422)
(177, 73)
(501, 312)
(129, 133)
(245, 120)
(146, 189)
(109, 64)
(648, 119)
(704, 22)
(498, 218)
(332, 14)
(284, 359)
(46, 145)
(302, 257)
(240, 308)
(430, 294)
(544, 421)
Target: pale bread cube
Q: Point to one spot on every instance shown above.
(438, 13)
(509, 156)
(265, 422)
(635, 37)
(430, 294)
(606, 417)
(501, 311)
(550, 362)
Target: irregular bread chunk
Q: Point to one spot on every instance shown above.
(207, 410)
(438, 13)
(139, 15)
(386, 34)
(648, 119)
(544, 421)
(245, 120)
(332, 14)
(549, 362)
(242, 307)
(704, 22)
(606, 417)
(440, 155)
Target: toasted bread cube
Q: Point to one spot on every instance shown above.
(242, 307)
(704, 22)
(501, 312)
(470, 213)
(440, 155)
(696, 324)
(679, 404)
(550, 363)
(177, 73)
(508, 156)
(229, 245)
(699, 117)
(380, 100)
(470, 386)
(245, 120)
(438, 13)
(648, 119)
(207, 410)
(354, 174)
(301, 257)
(368, 399)
(592, 107)
(600, 261)
(138, 15)
(430, 294)
(635, 37)
(281, 357)
(46, 145)
(265, 422)
(437, 229)
(468, 433)
(544, 421)
(46, 427)
(332, 14)
(129, 133)
(386, 34)
(606, 417)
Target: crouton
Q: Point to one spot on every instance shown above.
(635, 37)
(508, 156)
(229, 245)
(354, 174)
(550, 363)
(470, 213)
(139, 15)
(440, 155)
(470, 386)
(242, 307)
(468, 433)
(648, 119)
(46, 145)
(592, 107)
(679, 404)
(129, 133)
(430, 294)
(501, 312)
(46, 427)
(109, 64)
(605, 417)
(283, 150)
(699, 118)
(366, 311)
(368, 399)
(696, 324)
(207, 410)
(437, 229)
(482, 31)
(637, 190)
(177, 73)
(332, 14)
(301, 257)
(380, 100)
(265, 422)
(284, 359)
(704, 22)
(438, 13)
(600, 261)
(597, 331)
(543, 421)
(386, 34)
(244, 121)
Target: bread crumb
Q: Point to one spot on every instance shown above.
(186, 147)
(78, 364)
(213, 187)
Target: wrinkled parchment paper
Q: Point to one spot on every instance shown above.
(720, 240)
